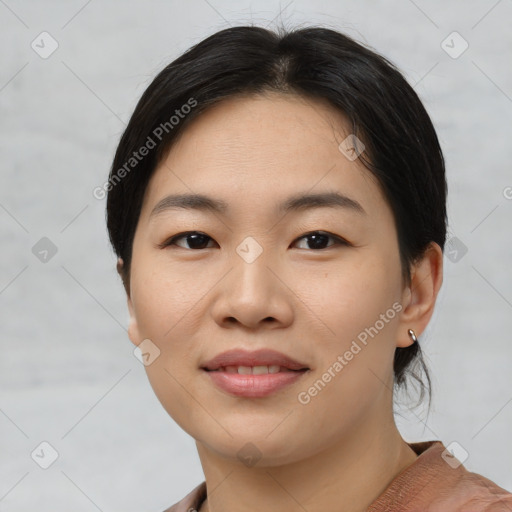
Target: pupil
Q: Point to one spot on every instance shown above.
(316, 241)
(196, 240)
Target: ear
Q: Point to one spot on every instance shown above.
(133, 329)
(419, 298)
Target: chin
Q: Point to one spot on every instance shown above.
(256, 450)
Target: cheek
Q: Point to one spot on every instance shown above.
(356, 317)
(351, 296)
(162, 303)
(162, 300)
(354, 352)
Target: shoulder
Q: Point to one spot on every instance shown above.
(438, 482)
(465, 490)
(191, 502)
(472, 492)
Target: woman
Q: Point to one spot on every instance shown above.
(277, 353)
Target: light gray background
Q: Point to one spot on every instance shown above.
(68, 375)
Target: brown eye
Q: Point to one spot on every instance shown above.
(195, 239)
(318, 239)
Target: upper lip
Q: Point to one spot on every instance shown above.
(262, 357)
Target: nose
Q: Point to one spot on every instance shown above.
(254, 295)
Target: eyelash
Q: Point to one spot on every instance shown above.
(171, 241)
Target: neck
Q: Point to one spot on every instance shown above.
(348, 475)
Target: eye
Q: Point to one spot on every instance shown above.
(198, 240)
(319, 238)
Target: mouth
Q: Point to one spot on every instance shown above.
(254, 362)
(253, 374)
(253, 381)
(255, 370)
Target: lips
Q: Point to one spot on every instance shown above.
(254, 370)
(253, 362)
(253, 374)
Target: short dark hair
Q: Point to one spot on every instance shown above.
(401, 146)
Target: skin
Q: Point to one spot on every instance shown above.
(342, 449)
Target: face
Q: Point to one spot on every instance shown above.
(319, 282)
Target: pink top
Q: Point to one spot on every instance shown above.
(432, 483)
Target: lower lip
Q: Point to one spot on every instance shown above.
(254, 386)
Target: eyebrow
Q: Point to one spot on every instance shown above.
(298, 202)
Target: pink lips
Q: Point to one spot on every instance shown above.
(223, 374)
(240, 357)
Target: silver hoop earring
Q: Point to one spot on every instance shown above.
(412, 334)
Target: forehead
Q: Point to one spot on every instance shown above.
(263, 148)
